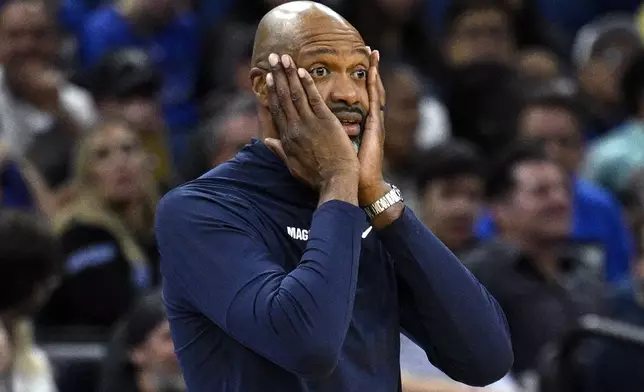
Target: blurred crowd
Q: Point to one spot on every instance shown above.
(515, 130)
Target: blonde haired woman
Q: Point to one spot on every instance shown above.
(24, 367)
(106, 231)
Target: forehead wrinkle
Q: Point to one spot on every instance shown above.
(288, 28)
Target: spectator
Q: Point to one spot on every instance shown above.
(29, 265)
(613, 159)
(41, 114)
(222, 137)
(556, 120)
(451, 189)
(141, 354)
(601, 54)
(404, 97)
(483, 100)
(541, 287)
(398, 29)
(106, 232)
(21, 186)
(619, 367)
(127, 86)
(169, 34)
(480, 30)
(539, 65)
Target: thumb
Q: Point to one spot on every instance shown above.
(275, 145)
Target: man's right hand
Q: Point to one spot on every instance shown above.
(312, 143)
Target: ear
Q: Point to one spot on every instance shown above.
(137, 356)
(258, 81)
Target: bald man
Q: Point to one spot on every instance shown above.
(293, 267)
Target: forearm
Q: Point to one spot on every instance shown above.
(342, 187)
(66, 121)
(300, 319)
(465, 323)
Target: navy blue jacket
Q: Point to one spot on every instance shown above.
(266, 291)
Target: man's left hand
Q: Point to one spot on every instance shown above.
(372, 185)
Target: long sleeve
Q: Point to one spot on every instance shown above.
(211, 249)
(444, 308)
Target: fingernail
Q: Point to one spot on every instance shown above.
(273, 59)
(377, 56)
(286, 61)
(301, 72)
(369, 49)
(269, 79)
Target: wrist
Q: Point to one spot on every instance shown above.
(341, 186)
(369, 194)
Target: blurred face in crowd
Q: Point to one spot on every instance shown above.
(559, 130)
(600, 76)
(450, 207)
(477, 35)
(539, 64)
(117, 164)
(332, 51)
(160, 12)
(539, 206)
(398, 10)
(143, 114)
(236, 133)
(403, 114)
(26, 33)
(156, 353)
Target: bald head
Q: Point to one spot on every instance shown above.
(286, 28)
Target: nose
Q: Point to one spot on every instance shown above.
(345, 90)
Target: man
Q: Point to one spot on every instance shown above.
(554, 118)
(222, 137)
(38, 107)
(170, 36)
(126, 85)
(30, 261)
(451, 188)
(276, 279)
(541, 285)
(614, 158)
(480, 31)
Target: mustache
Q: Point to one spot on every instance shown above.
(338, 108)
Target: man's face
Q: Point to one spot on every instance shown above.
(481, 35)
(559, 130)
(540, 205)
(26, 33)
(156, 353)
(161, 12)
(450, 207)
(403, 114)
(338, 61)
(238, 132)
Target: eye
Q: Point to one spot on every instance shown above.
(360, 74)
(319, 72)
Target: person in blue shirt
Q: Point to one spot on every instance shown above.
(275, 279)
(598, 224)
(169, 36)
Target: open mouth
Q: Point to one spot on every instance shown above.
(351, 122)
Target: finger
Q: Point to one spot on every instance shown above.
(282, 88)
(315, 99)
(375, 102)
(276, 146)
(298, 96)
(274, 104)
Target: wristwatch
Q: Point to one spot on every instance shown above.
(389, 199)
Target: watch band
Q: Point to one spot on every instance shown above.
(389, 199)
